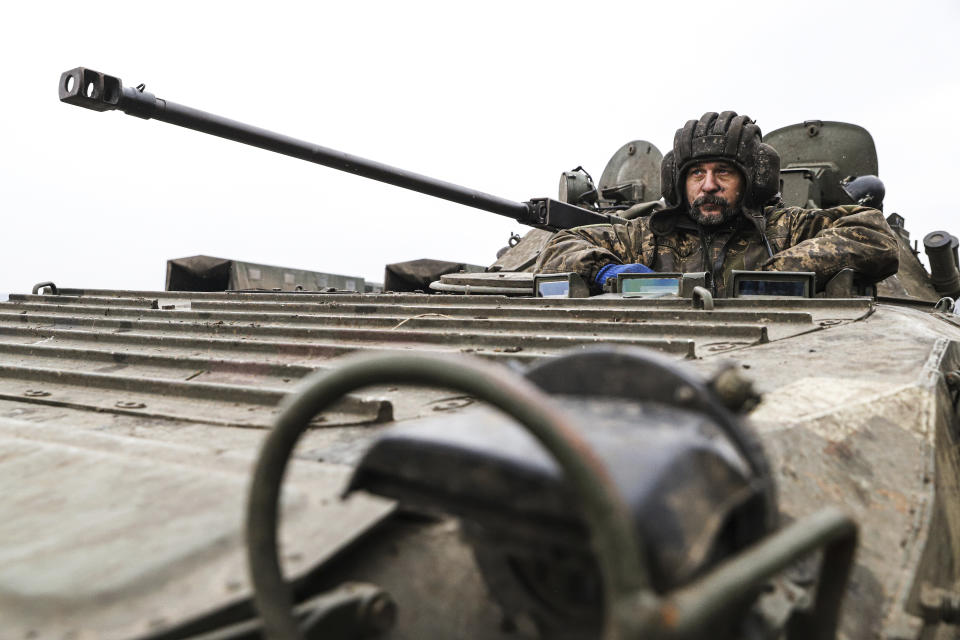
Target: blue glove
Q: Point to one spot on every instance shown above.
(611, 271)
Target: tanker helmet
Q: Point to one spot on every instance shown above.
(725, 136)
(865, 190)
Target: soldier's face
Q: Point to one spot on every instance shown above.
(713, 191)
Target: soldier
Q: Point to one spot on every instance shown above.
(721, 185)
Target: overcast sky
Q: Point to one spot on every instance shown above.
(497, 96)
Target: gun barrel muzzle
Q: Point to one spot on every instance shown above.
(90, 89)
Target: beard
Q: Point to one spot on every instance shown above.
(726, 212)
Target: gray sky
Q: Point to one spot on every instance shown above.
(497, 96)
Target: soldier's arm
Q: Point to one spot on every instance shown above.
(586, 250)
(826, 241)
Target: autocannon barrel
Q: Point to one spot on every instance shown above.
(940, 249)
(101, 92)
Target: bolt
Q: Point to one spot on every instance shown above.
(735, 390)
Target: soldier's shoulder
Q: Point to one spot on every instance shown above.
(636, 225)
(781, 212)
(799, 213)
(849, 209)
(844, 210)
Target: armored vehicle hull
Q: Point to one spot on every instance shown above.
(131, 421)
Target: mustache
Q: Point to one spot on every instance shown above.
(710, 199)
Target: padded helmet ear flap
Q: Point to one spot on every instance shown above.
(668, 180)
(766, 176)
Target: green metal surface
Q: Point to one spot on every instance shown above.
(848, 146)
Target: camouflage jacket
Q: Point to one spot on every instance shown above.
(823, 241)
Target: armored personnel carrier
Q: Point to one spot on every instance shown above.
(503, 458)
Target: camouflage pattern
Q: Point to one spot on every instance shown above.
(823, 241)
